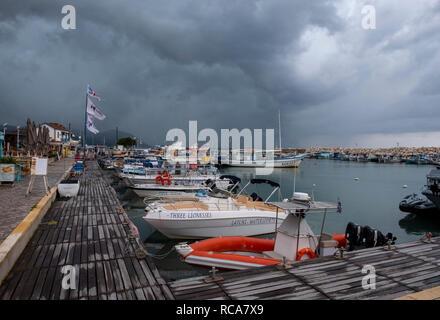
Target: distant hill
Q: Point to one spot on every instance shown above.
(110, 137)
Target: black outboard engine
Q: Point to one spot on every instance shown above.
(366, 237)
(353, 235)
(371, 238)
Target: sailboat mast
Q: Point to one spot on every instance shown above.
(279, 127)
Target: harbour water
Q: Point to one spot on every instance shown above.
(372, 199)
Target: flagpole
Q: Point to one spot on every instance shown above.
(85, 128)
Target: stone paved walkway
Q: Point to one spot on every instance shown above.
(14, 205)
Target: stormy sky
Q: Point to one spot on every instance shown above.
(228, 64)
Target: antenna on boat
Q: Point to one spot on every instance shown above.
(279, 127)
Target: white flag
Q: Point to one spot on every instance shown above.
(93, 110)
(92, 93)
(90, 126)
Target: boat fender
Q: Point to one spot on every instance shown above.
(309, 252)
(166, 180)
(158, 180)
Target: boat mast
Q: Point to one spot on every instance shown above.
(279, 127)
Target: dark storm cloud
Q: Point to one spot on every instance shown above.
(227, 64)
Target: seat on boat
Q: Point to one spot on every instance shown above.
(260, 205)
(187, 205)
(241, 199)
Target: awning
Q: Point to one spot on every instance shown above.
(307, 207)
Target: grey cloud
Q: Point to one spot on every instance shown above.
(226, 64)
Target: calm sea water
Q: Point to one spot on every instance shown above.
(371, 200)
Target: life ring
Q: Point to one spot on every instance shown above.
(158, 180)
(166, 180)
(309, 252)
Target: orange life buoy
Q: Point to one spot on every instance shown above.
(166, 180)
(309, 252)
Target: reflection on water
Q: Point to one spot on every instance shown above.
(421, 224)
(372, 199)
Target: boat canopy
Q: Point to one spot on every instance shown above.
(234, 179)
(306, 207)
(273, 184)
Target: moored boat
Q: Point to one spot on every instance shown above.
(281, 162)
(294, 241)
(165, 187)
(209, 217)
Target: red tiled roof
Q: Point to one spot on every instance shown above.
(57, 126)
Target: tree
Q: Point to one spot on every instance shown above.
(127, 142)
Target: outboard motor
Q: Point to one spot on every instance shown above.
(366, 237)
(371, 237)
(353, 235)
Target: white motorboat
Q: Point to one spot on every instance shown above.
(175, 175)
(154, 191)
(208, 217)
(183, 190)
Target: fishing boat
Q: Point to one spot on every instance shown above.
(294, 241)
(208, 217)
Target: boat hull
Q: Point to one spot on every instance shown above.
(165, 193)
(151, 179)
(276, 163)
(229, 253)
(206, 224)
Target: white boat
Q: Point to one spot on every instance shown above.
(179, 176)
(264, 158)
(284, 162)
(154, 191)
(215, 217)
(294, 241)
(183, 190)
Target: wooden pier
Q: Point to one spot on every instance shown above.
(92, 233)
(406, 269)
